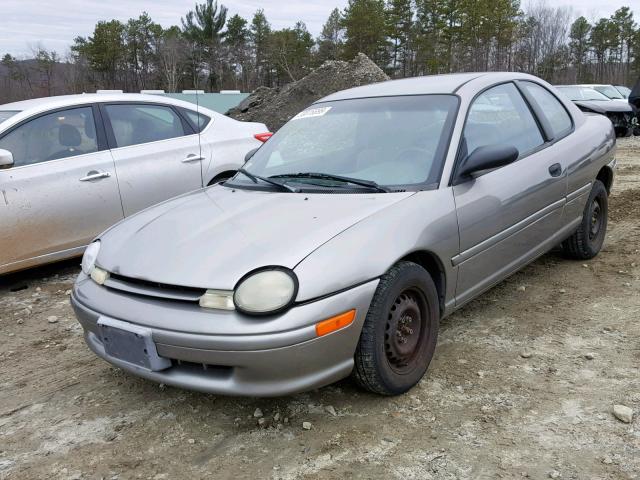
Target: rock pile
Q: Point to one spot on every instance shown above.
(275, 106)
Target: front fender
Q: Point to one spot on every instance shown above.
(425, 221)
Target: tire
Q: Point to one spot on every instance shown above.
(223, 177)
(587, 240)
(623, 132)
(400, 332)
(636, 131)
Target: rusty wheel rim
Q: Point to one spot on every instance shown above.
(405, 331)
(596, 219)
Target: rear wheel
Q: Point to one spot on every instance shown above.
(400, 332)
(223, 177)
(587, 241)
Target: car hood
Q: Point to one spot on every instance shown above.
(601, 107)
(211, 238)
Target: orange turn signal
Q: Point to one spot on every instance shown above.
(335, 323)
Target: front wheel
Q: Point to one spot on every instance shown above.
(400, 332)
(587, 241)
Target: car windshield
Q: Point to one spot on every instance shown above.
(6, 114)
(609, 92)
(374, 142)
(583, 93)
(625, 91)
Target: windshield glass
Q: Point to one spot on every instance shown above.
(583, 93)
(6, 114)
(389, 140)
(625, 91)
(609, 91)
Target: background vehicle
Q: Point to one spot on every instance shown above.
(609, 91)
(589, 100)
(363, 221)
(71, 166)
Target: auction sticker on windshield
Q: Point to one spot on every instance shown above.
(312, 112)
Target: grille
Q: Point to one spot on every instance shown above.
(213, 370)
(153, 289)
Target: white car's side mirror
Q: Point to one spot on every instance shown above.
(6, 159)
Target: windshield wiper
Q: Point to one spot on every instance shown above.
(255, 178)
(339, 178)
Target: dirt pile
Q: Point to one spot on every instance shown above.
(275, 106)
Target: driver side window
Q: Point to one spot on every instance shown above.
(500, 116)
(62, 134)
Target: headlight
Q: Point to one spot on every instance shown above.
(89, 258)
(266, 291)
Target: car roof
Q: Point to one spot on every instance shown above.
(588, 85)
(426, 85)
(35, 106)
(60, 101)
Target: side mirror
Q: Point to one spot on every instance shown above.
(6, 159)
(486, 158)
(249, 154)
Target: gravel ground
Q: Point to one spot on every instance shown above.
(523, 385)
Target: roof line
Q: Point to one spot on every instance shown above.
(467, 81)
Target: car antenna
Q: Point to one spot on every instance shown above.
(198, 126)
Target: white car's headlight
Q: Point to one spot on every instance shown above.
(89, 258)
(266, 291)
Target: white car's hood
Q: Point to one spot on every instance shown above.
(211, 238)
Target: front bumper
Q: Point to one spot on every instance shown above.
(227, 352)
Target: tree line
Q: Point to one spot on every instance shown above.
(211, 49)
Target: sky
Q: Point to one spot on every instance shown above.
(54, 24)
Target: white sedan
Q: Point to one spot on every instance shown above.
(71, 166)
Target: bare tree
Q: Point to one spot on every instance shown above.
(171, 50)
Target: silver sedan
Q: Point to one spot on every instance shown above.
(348, 236)
(71, 166)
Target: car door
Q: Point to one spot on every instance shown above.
(61, 190)
(156, 153)
(507, 216)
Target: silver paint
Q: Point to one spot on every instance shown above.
(476, 234)
(51, 210)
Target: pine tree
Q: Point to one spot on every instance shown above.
(330, 42)
(399, 29)
(365, 30)
(260, 35)
(579, 47)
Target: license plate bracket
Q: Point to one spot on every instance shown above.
(131, 344)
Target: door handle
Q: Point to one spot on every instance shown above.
(555, 170)
(192, 158)
(95, 175)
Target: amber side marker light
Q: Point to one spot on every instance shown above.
(335, 323)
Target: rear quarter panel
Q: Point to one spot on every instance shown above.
(225, 142)
(593, 147)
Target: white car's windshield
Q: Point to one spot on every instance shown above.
(609, 92)
(7, 114)
(388, 141)
(583, 93)
(624, 91)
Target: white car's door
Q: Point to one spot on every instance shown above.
(156, 153)
(61, 191)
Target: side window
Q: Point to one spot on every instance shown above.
(62, 134)
(555, 113)
(501, 116)
(200, 120)
(135, 124)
